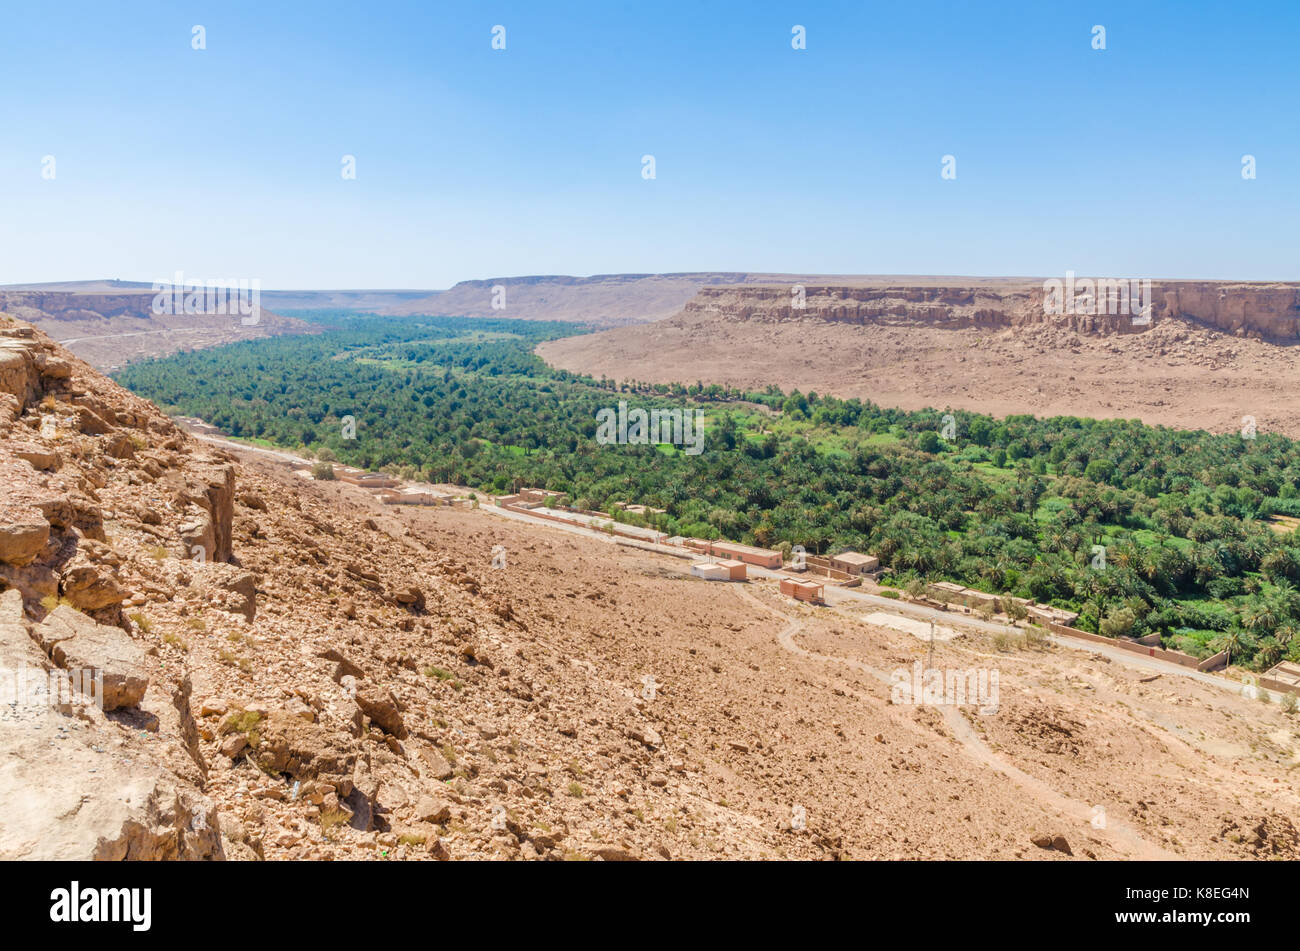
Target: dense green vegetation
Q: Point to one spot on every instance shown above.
(1015, 505)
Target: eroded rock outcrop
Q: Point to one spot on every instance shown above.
(24, 532)
(1270, 311)
(91, 650)
(76, 785)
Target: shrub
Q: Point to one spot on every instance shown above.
(1118, 623)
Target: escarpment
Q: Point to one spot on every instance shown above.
(1266, 311)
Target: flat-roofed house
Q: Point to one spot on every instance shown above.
(414, 495)
(762, 557)
(951, 593)
(1045, 614)
(803, 590)
(736, 570)
(855, 563)
(710, 571)
(1286, 673)
(366, 480)
(946, 591)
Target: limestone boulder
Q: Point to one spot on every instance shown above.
(95, 797)
(35, 582)
(381, 706)
(88, 586)
(228, 588)
(217, 490)
(24, 531)
(19, 376)
(39, 456)
(88, 649)
(198, 537)
(119, 446)
(285, 743)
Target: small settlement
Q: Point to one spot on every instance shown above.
(804, 579)
(392, 491)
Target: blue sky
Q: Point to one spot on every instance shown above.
(474, 163)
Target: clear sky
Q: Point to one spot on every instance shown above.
(474, 163)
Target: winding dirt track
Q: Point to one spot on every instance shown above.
(1122, 837)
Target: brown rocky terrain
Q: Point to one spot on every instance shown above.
(602, 300)
(292, 670)
(111, 326)
(1211, 354)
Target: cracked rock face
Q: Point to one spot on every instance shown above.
(23, 533)
(90, 587)
(86, 648)
(75, 784)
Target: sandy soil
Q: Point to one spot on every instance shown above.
(1177, 374)
(770, 704)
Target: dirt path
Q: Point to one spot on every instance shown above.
(1122, 837)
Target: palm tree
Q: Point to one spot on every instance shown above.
(1259, 618)
(1286, 598)
(1234, 641)
(1269, 653)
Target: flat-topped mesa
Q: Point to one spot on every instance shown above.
(1270, 311)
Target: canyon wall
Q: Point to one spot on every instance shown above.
(1262, 311)
(113, 328)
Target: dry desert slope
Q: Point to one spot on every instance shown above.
(292, 670)
(109, 327)
(1211, 353)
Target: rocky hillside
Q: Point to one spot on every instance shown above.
(110, 326)
(289, 669)
(281, 677)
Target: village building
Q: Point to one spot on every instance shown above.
(414, 495)
(710, 571)
(366, 480)
(1286, 675)
(760, 557)
(800, 590)
(736, 570)
(638, 509)
(855, 563)
(1047, 615)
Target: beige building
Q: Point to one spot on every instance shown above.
(710, 571)
(737, 570)
(855, 563)
(803, 590)
(366, 480)
(762, 557)
(414, 495)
